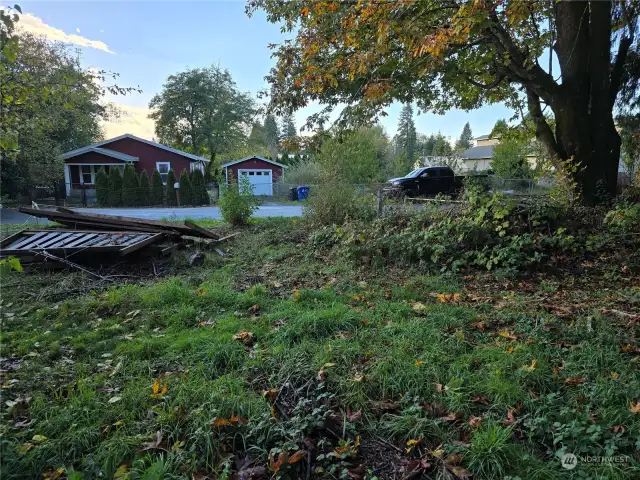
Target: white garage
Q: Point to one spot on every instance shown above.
(261, 172)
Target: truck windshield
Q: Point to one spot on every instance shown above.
(413, 174)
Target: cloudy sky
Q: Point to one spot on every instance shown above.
(145, 41)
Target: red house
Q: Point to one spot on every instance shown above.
(82, 164)
(262, 173)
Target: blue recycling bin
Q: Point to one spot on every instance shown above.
(303, 192)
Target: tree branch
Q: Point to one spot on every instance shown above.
(617, 70)
(543, 131)
(499, 78)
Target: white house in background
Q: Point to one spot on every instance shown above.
(478, 157)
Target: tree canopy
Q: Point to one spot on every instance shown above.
(463, 54)
(464, 142)
(202, 111)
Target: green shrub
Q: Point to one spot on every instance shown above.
(171, 196)
(304, 172)
(237, 202)
(156, 192)
(200, 194)
(102, 187)
(185, 190)
(145, 189)
(115, 187)
(331, 204)
(130, 186)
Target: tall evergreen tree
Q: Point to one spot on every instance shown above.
(156, 194)
(115, 187)
(199, 189)
(464, 141)
(271, 135)
(171, 197)
(441, 146)
(144, 192)
(406, 137)
(185, 190)
(102, 187)
(130, 186)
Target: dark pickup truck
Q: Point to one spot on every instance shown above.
(426, 182)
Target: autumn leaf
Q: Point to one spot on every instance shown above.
(236, 419)
(276, 465)
(39, 439)
(574, 380)
(296, 457)
(353, 416)
(156, 387)
(321, 373)
(248, 339)
(479, 326)
(121, 472)
(220, 422)
(507, 334)
(475, 422)
(304, 12)
(413, 443)
(634, 408)
(510, 417)
(530, 368)
(419, 307)
(270, 393)
(296, 294)
(419, 363)
(460, 473)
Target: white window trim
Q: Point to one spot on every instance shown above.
(92, 172)
(158, 168)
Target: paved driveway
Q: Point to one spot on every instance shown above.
(198, 213)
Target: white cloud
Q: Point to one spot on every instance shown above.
(133, 120)
(102, 30)
(35, 25)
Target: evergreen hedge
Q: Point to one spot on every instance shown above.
(199, 189)
(130, 186)
(144, 196)
(185, 190)
(172, 199)
(156, 193)
(102, 187)
(115, 187)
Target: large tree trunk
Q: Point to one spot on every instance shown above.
(583, 103)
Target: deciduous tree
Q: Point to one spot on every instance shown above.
(463, 54)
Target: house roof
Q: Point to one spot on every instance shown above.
(477, 153)
(102, 151)
(225, 165)
(80, 151)
(483, 137)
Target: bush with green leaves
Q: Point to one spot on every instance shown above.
(115, 187)
(185, 191)
(102, 187)
(144, 190)
(199, 189)
(156, 191)
(237, 201)
(171, 193)
(130, 186)
(305, 172)
(332, 204)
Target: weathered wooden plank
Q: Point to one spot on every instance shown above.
(40, 241)
(81, 240)
(143, 243)
(58, 237)
(26, 241)
(202, 231)
(12, 238)
(71, 238)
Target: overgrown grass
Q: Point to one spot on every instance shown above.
(494, 378)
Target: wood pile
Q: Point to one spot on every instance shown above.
(92, 235)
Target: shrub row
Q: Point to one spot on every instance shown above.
(131, 189)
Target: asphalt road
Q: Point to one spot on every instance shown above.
(11, 216)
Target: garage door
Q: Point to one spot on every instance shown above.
(262, 180)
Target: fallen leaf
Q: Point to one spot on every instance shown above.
(419, 307)
(115, 399)
(296, 457)
(156, 387)
(452, 417)
(155, 444)
(385, 405)
(634, 408)
(479, 325)
(439, 387)
(121, 472)
(39, 438)
(530, 368)
(270, 393)
(618, 428)
(413, 443)
(475, 422)
(220, 422)
(296, 294)
(460, 473)
(276, 465)
(236, 419)
(321, 373)
(254, 310)
(507, 334)
(510, 417)
(246, 338)
(354, 416)
(419, 363)
(446, 297)
(574, 380)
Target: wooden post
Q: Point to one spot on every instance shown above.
(379, 201)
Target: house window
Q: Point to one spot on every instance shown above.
(88, 174)
(163, 169)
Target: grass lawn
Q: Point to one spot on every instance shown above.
(283, 361)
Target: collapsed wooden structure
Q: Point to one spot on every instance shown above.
(88, 234)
